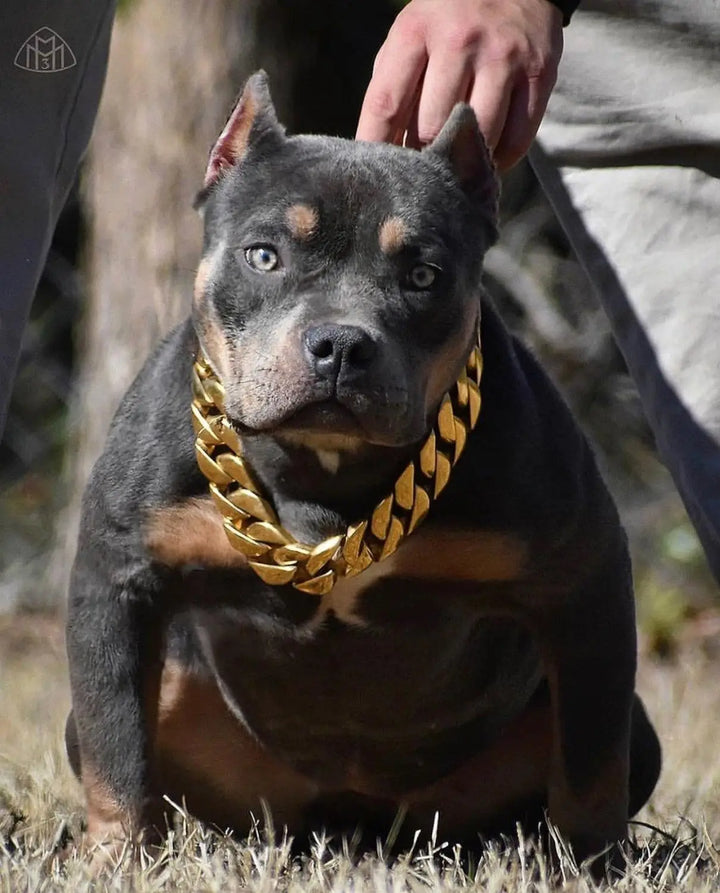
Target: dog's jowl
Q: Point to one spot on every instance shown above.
(346, 553)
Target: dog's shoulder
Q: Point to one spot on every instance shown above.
(148, 457)
(529, 474)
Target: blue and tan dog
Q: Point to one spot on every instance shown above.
(385, 597)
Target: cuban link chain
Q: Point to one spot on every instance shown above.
(250, 521)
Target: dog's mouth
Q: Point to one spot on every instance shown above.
(335, 420)
(329, 416)
(324, 417)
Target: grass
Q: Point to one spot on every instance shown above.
(41, 809)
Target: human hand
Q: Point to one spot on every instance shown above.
(501, 56)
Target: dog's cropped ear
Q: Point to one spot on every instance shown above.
(252, 123)
(462, 144)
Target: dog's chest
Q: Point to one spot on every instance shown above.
(392, 680)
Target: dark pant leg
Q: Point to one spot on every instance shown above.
(53, 55)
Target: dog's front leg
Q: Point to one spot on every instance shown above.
(590, 653)
(113, 645)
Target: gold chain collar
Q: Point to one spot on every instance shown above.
(252, 525)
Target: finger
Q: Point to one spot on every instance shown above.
(447, 81)
(527, 107)
(409, 136)
(412, 140)
(490, 99)
(390, 94)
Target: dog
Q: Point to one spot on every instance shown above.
(404, 589)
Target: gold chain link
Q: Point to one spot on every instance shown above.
(252, 525)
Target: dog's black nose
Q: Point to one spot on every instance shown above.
(335, 350)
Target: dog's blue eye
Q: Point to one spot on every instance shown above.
(262, 258)
(423, 276)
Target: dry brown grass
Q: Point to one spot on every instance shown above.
(40, 805)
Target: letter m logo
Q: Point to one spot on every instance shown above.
(45, 52)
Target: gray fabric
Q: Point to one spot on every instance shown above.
(629, 154)
(50, 87)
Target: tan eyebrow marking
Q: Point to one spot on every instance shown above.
(302, 220)
(392, 235)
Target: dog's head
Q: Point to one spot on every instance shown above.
(338, 293)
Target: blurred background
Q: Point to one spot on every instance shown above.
(122, 264)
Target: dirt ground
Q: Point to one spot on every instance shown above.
(41, 809)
